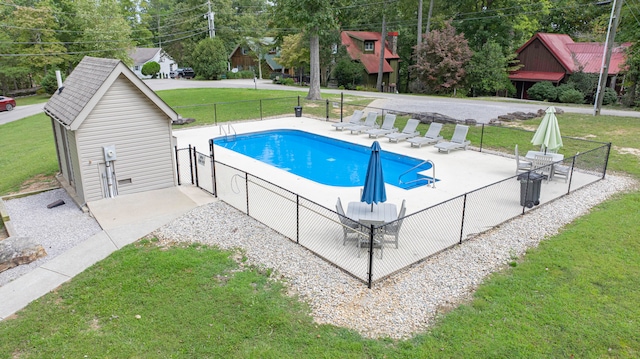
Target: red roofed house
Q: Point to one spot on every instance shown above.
(365, 46)
(552, 57)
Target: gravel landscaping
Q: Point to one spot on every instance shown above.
(57, 229)
(406, 303)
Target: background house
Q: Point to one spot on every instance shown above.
(553, 57)
(365, 47)
(112, 132)
(142, 55)
(243, 58)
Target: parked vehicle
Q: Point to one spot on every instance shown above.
(7, 103)
(185, 73)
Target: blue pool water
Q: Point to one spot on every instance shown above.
(322, 159)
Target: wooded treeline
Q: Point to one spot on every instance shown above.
(38, 36)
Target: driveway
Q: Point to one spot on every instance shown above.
(461, 109)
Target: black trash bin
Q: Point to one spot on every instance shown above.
(530, 183)
(298, 111)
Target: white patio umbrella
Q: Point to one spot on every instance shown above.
(548, 133)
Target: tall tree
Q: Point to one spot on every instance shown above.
(488, 70)
(440, 61)
(293, 53)
(209, 59)
(314, 17)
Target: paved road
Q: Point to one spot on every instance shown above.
(480, 110)
(20, 112)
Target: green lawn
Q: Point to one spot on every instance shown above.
(576, 295)
(31, 100)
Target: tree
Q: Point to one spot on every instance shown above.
(440, 61)
(150, 68)
(315, 17)
(293, 53)
(488, 70)
(209, 58)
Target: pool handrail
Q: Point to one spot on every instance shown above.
(433, 177)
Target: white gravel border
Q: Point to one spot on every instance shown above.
(406, 303)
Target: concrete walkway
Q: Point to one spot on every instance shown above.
(123, 219)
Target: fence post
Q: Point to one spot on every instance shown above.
(297, 218)
(526, 191)
(215, 114)
(213, 168)
(195, 159)
(327, 109)
(606, 160)
(191, 164)
(177, 165)
(298, 100)
(464, 209)
(260, 109)
(573, 164)
(481, 137)
(370, 256)
(246, 189)
(341, 104)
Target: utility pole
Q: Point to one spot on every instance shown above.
(210, 20)
(606, 56)
(159, 37)
(419, 23)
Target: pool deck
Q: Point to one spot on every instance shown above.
(458, 172)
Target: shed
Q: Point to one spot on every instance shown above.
(112, 132)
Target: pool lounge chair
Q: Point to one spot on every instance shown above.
(369, 123)
(407, 132)
(386, 128)
(458, 140)
(355, 120)
(432, 136)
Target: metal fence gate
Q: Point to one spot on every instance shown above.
(195, 168)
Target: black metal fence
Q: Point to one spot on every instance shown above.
(372, 254)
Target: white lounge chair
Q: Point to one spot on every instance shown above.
(458, 140)
(432, 136)
(369, 123)
(522, 165)
(355, 120)
(409, 131)
(386, 128)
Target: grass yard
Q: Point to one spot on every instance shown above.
(576, 295)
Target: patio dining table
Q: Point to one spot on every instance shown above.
(382, 213)
(556, 157)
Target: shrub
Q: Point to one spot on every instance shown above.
(570, 95)
(287, 81)
(543, 91)
(150, 68)
(609, 97)
(348, 73)
(49, 82)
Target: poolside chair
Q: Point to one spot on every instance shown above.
(458, 140)
(562, 170)
(543, 164)
(386, 128)
(355, 120)
(393, 228)
(369, 123)
(432, 136)
(409, 131)
(349, 226)
(522, 165)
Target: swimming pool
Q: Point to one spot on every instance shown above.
(322, 159)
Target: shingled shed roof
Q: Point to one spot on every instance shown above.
(86, 85)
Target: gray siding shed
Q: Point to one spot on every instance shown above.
(103, 103)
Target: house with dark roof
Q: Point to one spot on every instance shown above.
(365, 47)
(142, 55)
(553, 57)
(242, 58)
(112, 133)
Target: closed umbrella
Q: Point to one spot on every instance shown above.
(548, 133)
(374, 190)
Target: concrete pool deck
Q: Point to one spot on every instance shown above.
(458, 172)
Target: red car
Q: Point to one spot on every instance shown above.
(7, 103)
